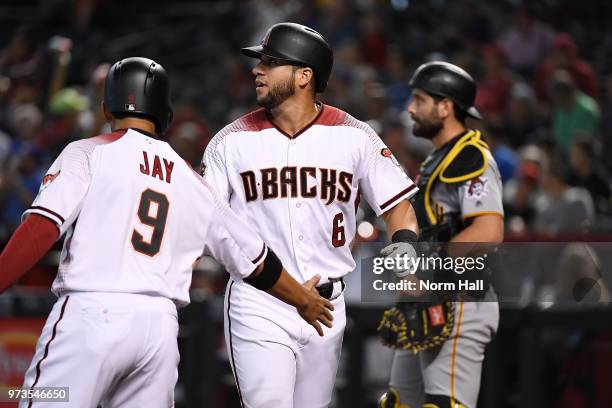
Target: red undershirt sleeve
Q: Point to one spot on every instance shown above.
(29, 243)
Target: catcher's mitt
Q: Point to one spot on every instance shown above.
(417, 326)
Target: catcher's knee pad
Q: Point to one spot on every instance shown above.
(441, 401)
(391, 399)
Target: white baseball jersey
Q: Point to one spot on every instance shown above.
(301, 192)
(136, 218)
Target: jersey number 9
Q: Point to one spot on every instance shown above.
(157, 222)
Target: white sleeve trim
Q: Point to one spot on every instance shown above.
(52, 215)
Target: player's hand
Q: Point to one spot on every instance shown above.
(406, 270)
(405, 253)
(316, 309)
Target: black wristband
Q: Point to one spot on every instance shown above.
(270, 274)
(404, 235)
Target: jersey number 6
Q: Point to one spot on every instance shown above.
(157, 222)
(338, 237)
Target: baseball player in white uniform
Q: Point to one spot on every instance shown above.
(295, 170)
(126, 202)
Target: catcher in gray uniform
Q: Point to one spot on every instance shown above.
(459, 200)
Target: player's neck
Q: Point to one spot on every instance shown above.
(133, 123)
(294, 114)
(447, 133)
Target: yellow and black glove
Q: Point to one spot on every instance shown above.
(417, 326)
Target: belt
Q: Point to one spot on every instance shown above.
(331, 289)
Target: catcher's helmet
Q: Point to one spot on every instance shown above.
(444, 79)
(139, 87)
(297, 43)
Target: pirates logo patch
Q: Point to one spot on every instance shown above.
(477, 187)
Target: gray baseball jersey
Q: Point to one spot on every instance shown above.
(453, 370)
(478, 196)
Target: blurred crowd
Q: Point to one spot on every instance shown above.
(541, 67)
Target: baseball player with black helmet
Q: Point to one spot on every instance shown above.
(294, 169)
(459, 200)
(125, 202)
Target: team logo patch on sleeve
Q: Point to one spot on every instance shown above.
(386, 152)
(477, 188)
(47, 179)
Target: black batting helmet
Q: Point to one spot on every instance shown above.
(139, 87)
(297, 43)
(447, 80)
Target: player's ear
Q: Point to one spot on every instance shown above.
(304, 76)
(445, 107)
(110, 119)
(107, 115)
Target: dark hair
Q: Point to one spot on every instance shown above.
(459, 113)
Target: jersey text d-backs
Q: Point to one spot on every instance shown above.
(136, 218)
(301, 192)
